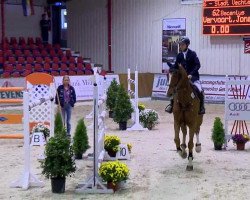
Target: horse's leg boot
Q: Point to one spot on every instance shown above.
(169, 108)
(202, 107)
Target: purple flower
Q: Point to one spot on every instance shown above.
(240, 138)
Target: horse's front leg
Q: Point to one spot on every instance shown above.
(183, 145)
(177, 136)
(190, 148)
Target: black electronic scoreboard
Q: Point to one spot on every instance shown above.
(226, 17)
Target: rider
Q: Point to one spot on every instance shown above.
(189, 60)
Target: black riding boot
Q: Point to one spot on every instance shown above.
(202, 107)
(169, 108)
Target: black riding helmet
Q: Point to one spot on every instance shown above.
(185, 40)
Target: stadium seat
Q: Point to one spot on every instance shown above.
(1, 60)
(64, 59)
(39, 60)
(8, 53)
(60, 53)
(6, 75)
(56, 60)
(52, 53)
(47, 59)
(38, 68)
(21, 40)
(72, 59)
(36, 53)
(63, 73)
(18, 52)
(79, 59)
(54, 73)
(72, 73)
(80, 72)
(27, 53)
(19, 68)
(88, 66)
(9, 68)
(80, 66)
(30, 60)
(55, 67)
(46, 67)
(28, 67)
(30, 41)
(64, 67)
(15, 74)
(44, 53)
(21, 60)
(38, 40)
(12, 60)
(13, 40)
(68, 53)
(26, 73)
(88, 72)
(72, 67)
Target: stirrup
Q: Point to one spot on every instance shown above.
(169, 109)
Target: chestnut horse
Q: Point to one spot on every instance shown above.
(185, 109)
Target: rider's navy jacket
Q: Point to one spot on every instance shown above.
(191, 64)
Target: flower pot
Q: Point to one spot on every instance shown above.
(111, 185)
(217, 146)
(58, 185)
(111, 114)
(122, 126)
(112, 153)
(240, 146)
(78, 156)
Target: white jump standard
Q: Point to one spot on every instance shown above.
(137, 126)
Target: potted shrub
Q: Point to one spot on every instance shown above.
(59, 126)
(240, 140)
(80, 140)
(149, 118)
(218, 134)
(111, 144)
(58, 162)
(123, 108)
(111, 97)
(113, 173)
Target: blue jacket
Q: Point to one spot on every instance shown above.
(191, 64)
(60, 93)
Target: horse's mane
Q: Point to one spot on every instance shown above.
(184, 81)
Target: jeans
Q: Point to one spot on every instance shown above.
(66, 113)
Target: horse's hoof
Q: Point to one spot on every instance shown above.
(189, 168)
(198, 147)
(182, 153)
(183, 146)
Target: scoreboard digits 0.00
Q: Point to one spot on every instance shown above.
(226, 17)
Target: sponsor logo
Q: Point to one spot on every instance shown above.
(239, 106)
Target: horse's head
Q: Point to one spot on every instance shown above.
(177, 74)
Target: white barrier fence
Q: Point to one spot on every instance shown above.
(27, 179)
(136, 126)
(94, 184)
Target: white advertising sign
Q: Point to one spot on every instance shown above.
(84, 85)
(160, 86)
(174, 24)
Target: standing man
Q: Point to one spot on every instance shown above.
(67, 99)
(45, 27)
(189, 60)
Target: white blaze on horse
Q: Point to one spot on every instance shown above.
(185, 111)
